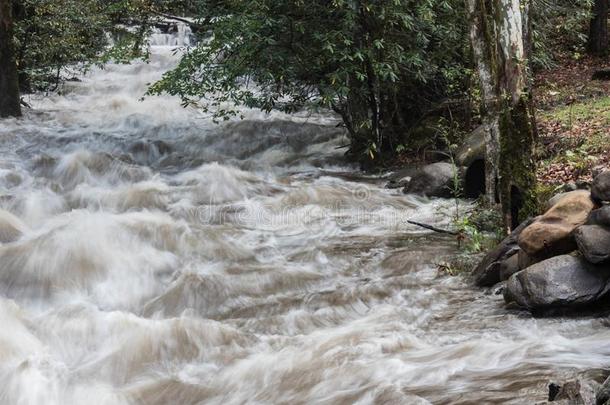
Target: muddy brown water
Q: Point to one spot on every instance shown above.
(239, 264)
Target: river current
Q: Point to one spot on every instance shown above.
(163, 259)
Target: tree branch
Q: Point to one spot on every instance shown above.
(432, 228)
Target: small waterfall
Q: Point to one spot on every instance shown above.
(177, 34)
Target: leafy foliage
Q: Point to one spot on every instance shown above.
(54, 35)
(559, 30)
(51, 34)
(379, 64)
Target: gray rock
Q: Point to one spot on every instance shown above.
(509, 266)
(433, 180)
(149, 151)
(600, 189)
(570, 186)
(603, 393)
(596, 170)
(583, 185)
(600, 216)
(573, 392)
(490, 270)
(401, 178)
(526, 260)
(472, 149)
(593, 242)
(559, 282)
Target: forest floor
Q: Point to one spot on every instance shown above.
(573, 114)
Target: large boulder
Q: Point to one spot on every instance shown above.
(556, 198)
(600, 216)
(510, 266)
(433, 180)
(600, 189)
(494, 266)
(593, 242)
(401, 178)
(472, 149)
(11, 227)
(552, 233)
(559, 282)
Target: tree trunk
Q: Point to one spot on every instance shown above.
(9, 84)
(498, 46)
(598, 29)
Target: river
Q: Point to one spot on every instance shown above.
(168, 260)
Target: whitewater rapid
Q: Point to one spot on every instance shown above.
(158, 258)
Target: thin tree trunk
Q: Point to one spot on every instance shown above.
(598, 29)
(9, 83)
(498, 46)
(482, 47)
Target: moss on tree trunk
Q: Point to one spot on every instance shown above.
(497, 37)
(517, 172)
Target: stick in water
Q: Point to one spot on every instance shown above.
(432, 228)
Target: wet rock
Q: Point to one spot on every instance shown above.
(603, 393)
(573, 392)
(525, 260)
(472, 149)
(600, 216)
(559, 282)
(11, 227)
(552, 233)
(433, 180)
(147, 151)
(509, 266)
(401, 178)
(600, 189)
(162, 147)
(490, 270)
(593, 242)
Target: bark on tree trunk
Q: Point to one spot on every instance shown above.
(9, 83)
(497, 39)
(598, 29)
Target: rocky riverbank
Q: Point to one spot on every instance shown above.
(560, 259)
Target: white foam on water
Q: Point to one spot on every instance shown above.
(149, 256)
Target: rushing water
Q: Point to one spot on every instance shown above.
(167, 260)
